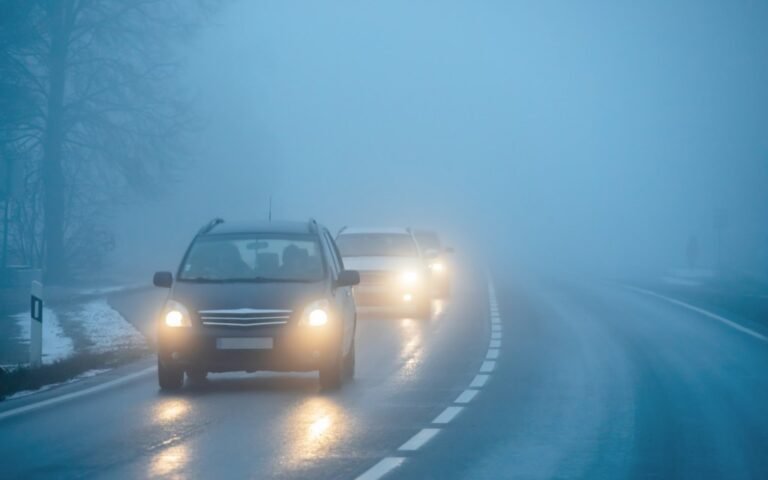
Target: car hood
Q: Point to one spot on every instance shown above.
(364, 264)
(220, 296)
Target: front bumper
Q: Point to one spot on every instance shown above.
(293, 348)
(386, 296)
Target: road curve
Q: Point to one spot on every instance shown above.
(596, 380)
(264, 425)
(557, 379)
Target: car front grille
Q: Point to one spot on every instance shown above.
(244, 317)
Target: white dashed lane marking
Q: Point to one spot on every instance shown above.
(487, 366)
(419, 440)
(386, 465)
(479, 381)
(466, 396)
(447, 415)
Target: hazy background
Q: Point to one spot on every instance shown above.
(598, 134)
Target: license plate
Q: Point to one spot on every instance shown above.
(244, 343)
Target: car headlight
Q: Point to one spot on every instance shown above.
(176, 315)
(316, 314)
(409, 278)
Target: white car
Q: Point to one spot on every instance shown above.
(393, 269)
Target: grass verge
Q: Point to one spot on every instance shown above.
(22, 378)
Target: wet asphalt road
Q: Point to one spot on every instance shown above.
(587, 380)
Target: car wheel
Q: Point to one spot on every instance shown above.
(349, 362)
(332, 372)
(169, 377)
(197, 375)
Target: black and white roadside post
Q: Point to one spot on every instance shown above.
(36, 320)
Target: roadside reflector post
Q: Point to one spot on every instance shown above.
(36, 328)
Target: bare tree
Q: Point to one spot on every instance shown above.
(104, 114)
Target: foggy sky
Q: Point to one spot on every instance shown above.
(598, 134)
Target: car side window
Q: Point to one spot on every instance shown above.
(334, 251)
(333, 262)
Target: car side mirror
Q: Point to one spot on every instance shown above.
(348, 278)
(163, 279)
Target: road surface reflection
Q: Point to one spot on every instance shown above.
(314, 427)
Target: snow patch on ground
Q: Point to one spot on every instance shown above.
(109, 289)
(105, 327)
(88, 374)
(56, 345)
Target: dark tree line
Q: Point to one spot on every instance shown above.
(89, 110)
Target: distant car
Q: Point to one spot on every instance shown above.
(438, 260)
(258, 296)
(393, 270)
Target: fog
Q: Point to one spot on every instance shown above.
(582, 135)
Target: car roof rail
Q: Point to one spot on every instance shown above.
(313, 225)
(210, 225)
(341, 230)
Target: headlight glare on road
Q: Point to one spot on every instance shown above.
(316, 314)
(176, 315)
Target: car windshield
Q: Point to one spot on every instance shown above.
(243, 258)
(376, 245)
(428, 240)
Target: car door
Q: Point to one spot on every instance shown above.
(344, 298)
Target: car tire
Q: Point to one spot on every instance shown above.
(168, 377)
(331, 372)
(197, 375)
(349, 363)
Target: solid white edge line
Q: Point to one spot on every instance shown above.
(466, 396)
(493, 354)
(417, 441)
(81, 393)
(447, 415)
(479, 381)
(487, 366)
(701, 311)
(494, 344)
(385, 465)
